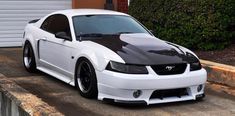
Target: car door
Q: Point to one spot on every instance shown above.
(55, 53)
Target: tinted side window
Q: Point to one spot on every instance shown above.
(56, 23)
(47, 23)
(60, 23)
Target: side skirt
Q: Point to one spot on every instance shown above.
(56, 75)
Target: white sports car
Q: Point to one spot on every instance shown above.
(110, 56)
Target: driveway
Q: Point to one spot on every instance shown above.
(67, 100)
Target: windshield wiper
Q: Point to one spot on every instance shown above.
(91, 35)
(118, 33)
(99, 34)
(80, 36)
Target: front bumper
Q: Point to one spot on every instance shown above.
(120, 87)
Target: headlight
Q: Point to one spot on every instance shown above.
(124, 68)
(195, 66)
(194, 62)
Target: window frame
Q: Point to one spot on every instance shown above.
(47, 18)
(110, 15)
(54, 16)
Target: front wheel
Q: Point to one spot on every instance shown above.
(85, 79)
(29, 58)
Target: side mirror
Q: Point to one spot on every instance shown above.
(63, 35)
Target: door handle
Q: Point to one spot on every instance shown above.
(44, 39)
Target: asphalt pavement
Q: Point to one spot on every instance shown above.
(67, 100)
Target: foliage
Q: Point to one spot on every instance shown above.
(196, 24)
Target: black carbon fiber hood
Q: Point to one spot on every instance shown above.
(144, 49)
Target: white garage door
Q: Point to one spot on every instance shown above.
(15, 14)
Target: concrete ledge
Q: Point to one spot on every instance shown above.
(220, 88)
(220, 73)
(16, 101)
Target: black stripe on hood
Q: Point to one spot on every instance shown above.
(143, 49)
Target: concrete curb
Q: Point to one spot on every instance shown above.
(16, 101)
(220, 73)
(221, 88)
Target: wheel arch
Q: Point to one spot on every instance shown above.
(76, 66)
(97, 60)
(99, 56)
(30, 66)
(29, 32)
(30, 41)
(27, 41)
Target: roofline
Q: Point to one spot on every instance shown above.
(80, 12)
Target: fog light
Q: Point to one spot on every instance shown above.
(199, 88)
(137, 93)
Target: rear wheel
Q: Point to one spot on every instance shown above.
(29, 58)
(85, 79)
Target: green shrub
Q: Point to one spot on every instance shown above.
(196, 24)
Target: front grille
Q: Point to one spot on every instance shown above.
(161, 94)
(169, 69)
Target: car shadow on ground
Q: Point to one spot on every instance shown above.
(144, 106)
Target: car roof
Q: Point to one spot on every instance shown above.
(78, 12)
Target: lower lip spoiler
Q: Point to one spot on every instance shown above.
(140, 102)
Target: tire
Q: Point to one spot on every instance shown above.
(29, 58)
(85, 79)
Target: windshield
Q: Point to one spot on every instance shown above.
(106, 24)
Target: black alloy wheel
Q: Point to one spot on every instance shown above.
(86, 81)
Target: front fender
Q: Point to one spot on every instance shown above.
(29, 29)
(96, 60)
(98, 55)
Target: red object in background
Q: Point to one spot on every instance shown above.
(122, 6)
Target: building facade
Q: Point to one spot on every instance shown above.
(15, 14)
